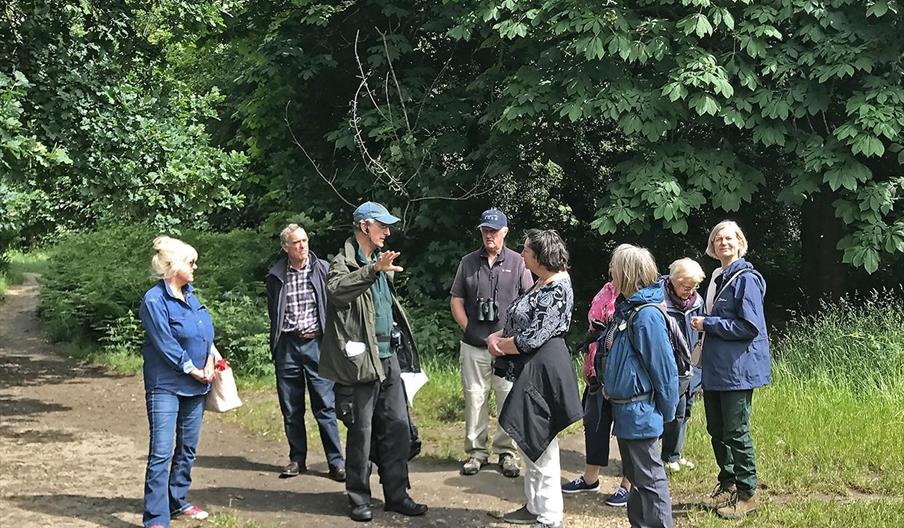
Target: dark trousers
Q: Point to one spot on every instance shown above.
(728, 424)
(297, 361)
(649, 504)
(376, 415)
(674, 433)
(597, 427)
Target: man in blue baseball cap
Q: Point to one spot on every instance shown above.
(367, 344)
(486, 283)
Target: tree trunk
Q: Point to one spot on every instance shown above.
(823, 276)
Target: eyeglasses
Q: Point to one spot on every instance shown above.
(685, 288)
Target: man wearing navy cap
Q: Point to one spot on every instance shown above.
(487, 281)
(363, 355)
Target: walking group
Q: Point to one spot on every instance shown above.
(338, 331)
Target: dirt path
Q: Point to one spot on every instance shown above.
(73, 441)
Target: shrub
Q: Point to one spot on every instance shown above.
(95, 281)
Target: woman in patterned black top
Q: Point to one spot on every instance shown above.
(530, 350)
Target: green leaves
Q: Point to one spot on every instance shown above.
(695, 24)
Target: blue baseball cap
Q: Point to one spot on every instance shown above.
(493, 219)
(374, 211)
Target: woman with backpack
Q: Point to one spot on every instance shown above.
(682, 304)
(735, 360)
(597, 410)
(641, 382)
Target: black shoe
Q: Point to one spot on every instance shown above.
(337, 473)
(519, 516)
(293, 469)
(361, 513)
(406, 507)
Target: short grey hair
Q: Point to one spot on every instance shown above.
(632, 268)
(356, 223)
(288, 230)
(686, 267)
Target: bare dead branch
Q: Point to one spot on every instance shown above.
(429, 91)
(310, 159)
(363, 77)
(395, 80)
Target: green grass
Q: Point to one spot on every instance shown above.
(19, 264)
(808, 514)
(812, 438)
(831, 421)
(119, 360)
(22, 263)
(228, 520)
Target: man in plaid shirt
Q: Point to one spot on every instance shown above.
(297, 309)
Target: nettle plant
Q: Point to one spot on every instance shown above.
(722, 98)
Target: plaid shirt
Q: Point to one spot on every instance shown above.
(301, 305)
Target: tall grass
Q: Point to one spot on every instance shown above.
(832, 420)
(857, 346)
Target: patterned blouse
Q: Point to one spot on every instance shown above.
(539, 315)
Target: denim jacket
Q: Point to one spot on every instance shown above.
(178, 336)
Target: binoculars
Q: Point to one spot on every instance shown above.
(487, 310)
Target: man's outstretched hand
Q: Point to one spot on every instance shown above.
(386, 262)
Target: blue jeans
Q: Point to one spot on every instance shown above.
(175, 427)
(297, 361)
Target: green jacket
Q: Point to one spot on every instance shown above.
(350, 319)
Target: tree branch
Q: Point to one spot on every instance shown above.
(310, 159)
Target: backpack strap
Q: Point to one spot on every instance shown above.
(630, 328)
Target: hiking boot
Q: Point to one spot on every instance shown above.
(720, 496)
(619, 498)
(738, 506)
(686, 464)
(471, 466)
(508, 465)
(579, 484)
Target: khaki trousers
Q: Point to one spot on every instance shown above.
(476, 378)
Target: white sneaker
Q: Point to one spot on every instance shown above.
(672, 467)
(686, 463)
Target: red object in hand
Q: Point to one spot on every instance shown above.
(221, 365)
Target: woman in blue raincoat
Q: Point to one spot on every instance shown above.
(735, 361)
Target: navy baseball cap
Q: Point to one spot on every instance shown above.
(374, 211)
(494, 219)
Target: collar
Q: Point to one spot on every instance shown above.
(186, 290)
(499, 258)
(307, 265)
(359, 254)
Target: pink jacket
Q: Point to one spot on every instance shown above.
(601, 309)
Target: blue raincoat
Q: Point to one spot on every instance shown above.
(651, 369)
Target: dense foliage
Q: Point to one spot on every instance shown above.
(95, 281)
(103, 132)
(642, 120)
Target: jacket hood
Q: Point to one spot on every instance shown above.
(736, 266)
(649, 294)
